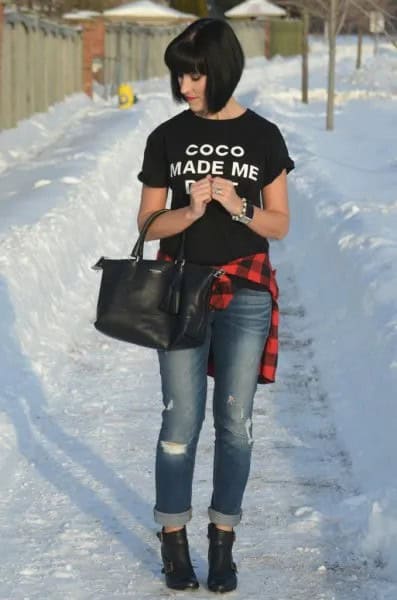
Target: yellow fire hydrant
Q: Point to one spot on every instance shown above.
(126, 95)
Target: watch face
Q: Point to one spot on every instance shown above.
(249, 212)
(245, 220)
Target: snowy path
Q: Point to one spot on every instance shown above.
(81, 413)
(77, 515)
(46, 178)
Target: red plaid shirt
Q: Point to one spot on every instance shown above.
(256, 268)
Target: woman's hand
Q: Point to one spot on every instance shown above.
(200, 196)
(224, 192)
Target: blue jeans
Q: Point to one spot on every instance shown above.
(237, 336)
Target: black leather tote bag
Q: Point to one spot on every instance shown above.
(154, 303)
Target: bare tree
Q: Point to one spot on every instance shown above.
(333, 13)
(360, 15)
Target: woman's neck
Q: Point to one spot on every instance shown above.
(231, 110)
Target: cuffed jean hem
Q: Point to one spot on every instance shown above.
(172, 520)
(221, 519)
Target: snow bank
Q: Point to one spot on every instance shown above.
(343, 246)
(346, 282)
(35, 133)
(47, 264)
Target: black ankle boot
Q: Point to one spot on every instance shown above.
(178, 570)
(222, 570)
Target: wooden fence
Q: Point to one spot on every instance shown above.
(285, 37)
(136, 52)
(41, 63)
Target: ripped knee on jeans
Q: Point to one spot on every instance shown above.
(173, 447)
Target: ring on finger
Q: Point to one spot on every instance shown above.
(218, 190)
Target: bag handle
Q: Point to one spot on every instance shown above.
(137, 251)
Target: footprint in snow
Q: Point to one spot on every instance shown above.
(70, 180)
(41, 183)
(86, 155)
(303, 511)
(62, 150)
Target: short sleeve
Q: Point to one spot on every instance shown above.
(277, 156)
(154, 172)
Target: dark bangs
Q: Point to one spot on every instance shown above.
(181, 57)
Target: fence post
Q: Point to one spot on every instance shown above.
(93, 47)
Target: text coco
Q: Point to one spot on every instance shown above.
(208, 150)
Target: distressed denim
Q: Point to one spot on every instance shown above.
(237, 336)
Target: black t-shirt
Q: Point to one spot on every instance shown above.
(248, 150)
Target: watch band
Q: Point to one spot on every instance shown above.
(246, 214)
(242, 212)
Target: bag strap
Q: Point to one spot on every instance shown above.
(137, 251)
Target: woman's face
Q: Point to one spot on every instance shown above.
(192, 86)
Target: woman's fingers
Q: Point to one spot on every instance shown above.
(209, 188)
(200, 195)
(201, 190)
(222, 186)
(224, 192)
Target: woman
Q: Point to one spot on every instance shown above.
(226, 167)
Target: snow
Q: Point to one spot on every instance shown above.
(145, 9)
(80, 412)
(34, 134)
(256, 8)
(78, 15)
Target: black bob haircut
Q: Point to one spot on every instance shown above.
(209, 47)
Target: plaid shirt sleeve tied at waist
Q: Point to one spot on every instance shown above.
(255, 268)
